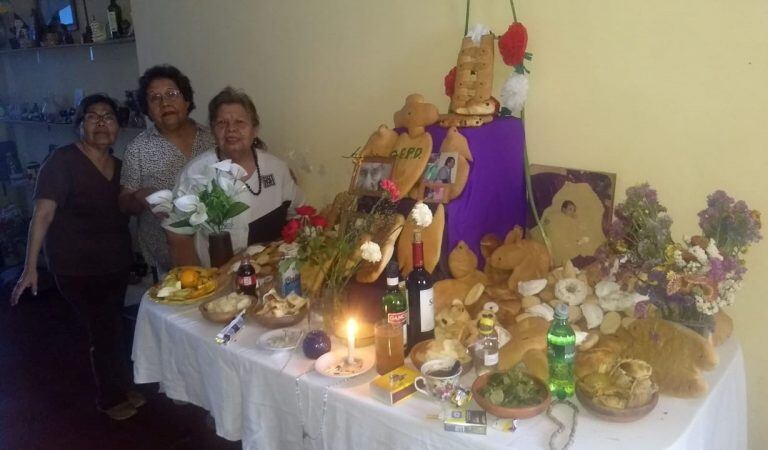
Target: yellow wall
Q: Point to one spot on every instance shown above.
(669, 91)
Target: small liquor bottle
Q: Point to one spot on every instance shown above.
(393, 302)
(246, 277)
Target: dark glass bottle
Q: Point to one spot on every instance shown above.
(38, 26)
(393, 301)
(115, 19)
(246, 277)
(421, 309)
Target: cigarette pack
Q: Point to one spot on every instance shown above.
(394, 386)
(465, 421)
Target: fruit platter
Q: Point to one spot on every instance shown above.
(186, 285)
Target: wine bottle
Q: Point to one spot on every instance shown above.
(115, 19)
(393, 301)
(421, 309)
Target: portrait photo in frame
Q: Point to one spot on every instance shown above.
(369, 172)
(441, 168)
(575, 208)
(435, 192)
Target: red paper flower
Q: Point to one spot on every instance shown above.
(390, 186)
(512, 44)
(306, 210)
(290, 230)
(318, 221)
(450, 82)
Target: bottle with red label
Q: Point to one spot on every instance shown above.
(393, 301)
(246, 278)
(421, 308)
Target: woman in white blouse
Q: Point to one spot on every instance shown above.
(271, 191)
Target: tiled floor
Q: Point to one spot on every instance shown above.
(46, 391)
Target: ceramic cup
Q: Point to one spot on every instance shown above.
(436, 381)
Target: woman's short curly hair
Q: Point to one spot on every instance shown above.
(171, 73)
(91, 100)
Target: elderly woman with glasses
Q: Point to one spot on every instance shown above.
(155, 157)
(87, 244)
(269, 190)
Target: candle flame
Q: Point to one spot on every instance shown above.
(351, 327)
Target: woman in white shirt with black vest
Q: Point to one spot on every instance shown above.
(271, 192)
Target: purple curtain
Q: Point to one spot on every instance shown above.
(493, 200)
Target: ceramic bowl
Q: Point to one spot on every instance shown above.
(615, 414)
(418, 356)
(216, 316)
(272, 322)
(524, 412)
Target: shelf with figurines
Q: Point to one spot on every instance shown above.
(126, 40)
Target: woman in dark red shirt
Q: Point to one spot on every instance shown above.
(87, 244)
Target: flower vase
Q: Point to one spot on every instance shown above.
(220, 248)
(330, 308)
(690, 317)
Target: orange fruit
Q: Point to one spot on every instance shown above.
(189, 278)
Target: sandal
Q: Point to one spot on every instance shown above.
(136, 399)
(121, 411)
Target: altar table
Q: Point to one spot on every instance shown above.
(275, 400)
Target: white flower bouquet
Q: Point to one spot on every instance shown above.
(207, 201)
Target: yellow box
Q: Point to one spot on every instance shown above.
(394, 386)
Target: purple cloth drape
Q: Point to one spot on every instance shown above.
(493, 200)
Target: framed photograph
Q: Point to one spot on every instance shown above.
(435, 192)
(369, 173)
(575, 208)
(441, 168)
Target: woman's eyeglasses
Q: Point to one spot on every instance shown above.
(169, 96)
(94, 118)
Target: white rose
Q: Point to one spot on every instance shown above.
(370, 252)
(421, 215)
(514, 93)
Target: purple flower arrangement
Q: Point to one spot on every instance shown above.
(689, 280)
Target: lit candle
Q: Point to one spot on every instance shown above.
(351, 329)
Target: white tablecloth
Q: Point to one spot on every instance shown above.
(266, 398)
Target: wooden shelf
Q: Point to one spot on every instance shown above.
(57, 124)
(56, 47)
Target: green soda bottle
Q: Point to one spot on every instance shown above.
(561, 350)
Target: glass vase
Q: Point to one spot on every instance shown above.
(220, 248)
(690, 317)
(329, 308)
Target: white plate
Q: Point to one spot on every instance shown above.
(326, 363)
(281, 339)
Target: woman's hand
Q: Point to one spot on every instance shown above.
(28, 279)
(135, 202)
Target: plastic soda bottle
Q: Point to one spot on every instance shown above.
(561, 350)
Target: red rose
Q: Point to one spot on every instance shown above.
(450, 82)
(512, 44)
(318, 221)
(390, 186)
(290, 230)
(306, 210)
